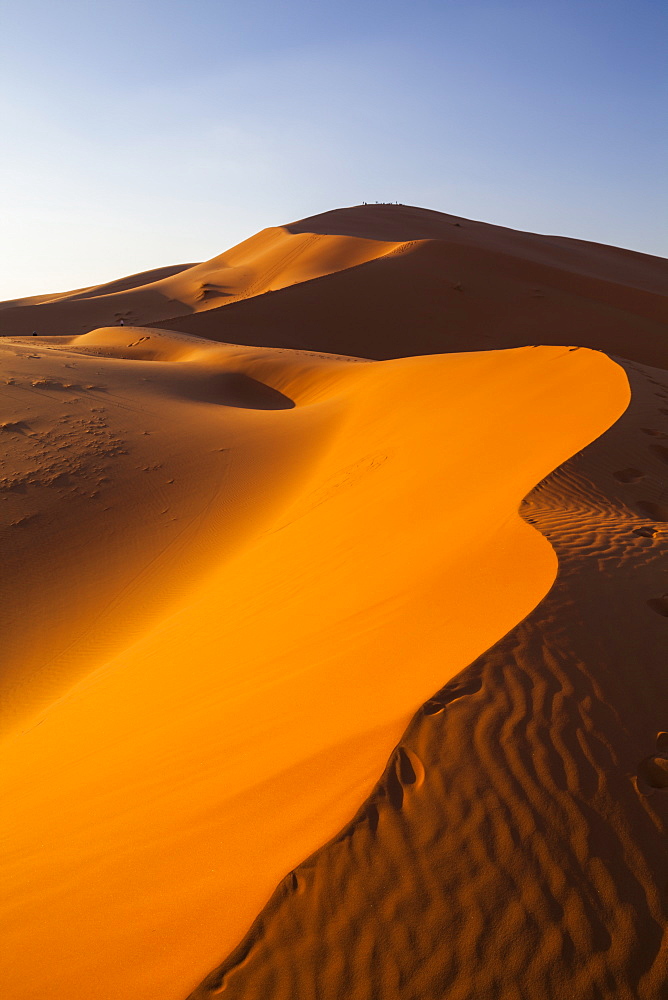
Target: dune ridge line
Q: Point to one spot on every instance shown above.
(368, 585)
(523, 816)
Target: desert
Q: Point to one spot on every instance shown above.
(335, 621)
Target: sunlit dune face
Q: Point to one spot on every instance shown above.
(522, 815)
(245, 569)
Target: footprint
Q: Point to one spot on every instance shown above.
(659, 604)
(407, 769)
(653, 510)
(628, 475)
(432, 707)
(646, 531)
(652, 432)
(454, 689)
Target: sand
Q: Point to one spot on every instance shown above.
(386, 281)
(516, 844)
(271, 260)
(235, 573)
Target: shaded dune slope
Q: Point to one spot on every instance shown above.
(158, 800)
(452, 284)
(438, 295)
(268, 261)
(516, 844)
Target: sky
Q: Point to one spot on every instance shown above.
(140, 134)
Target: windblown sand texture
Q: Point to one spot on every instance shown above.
(236, 566)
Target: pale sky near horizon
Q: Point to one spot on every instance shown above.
(136, 135)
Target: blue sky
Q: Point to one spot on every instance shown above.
(141, 134)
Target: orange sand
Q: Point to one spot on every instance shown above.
(284, 671)
(516, 844)
(233, 574)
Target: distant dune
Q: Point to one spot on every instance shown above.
(385, 281)
(338, 677)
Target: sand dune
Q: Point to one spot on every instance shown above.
(125, 480)
(471, 291)
(516, 844)
(263, 678)
(264, 263)
(385, 281)
(237, 564)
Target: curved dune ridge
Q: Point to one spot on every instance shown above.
(386, 281)
(516, 844)
(219, 692)
(268, 261)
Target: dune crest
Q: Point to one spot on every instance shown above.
(268, 261)
(386, 281)
(526, 854)
(358, 549)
